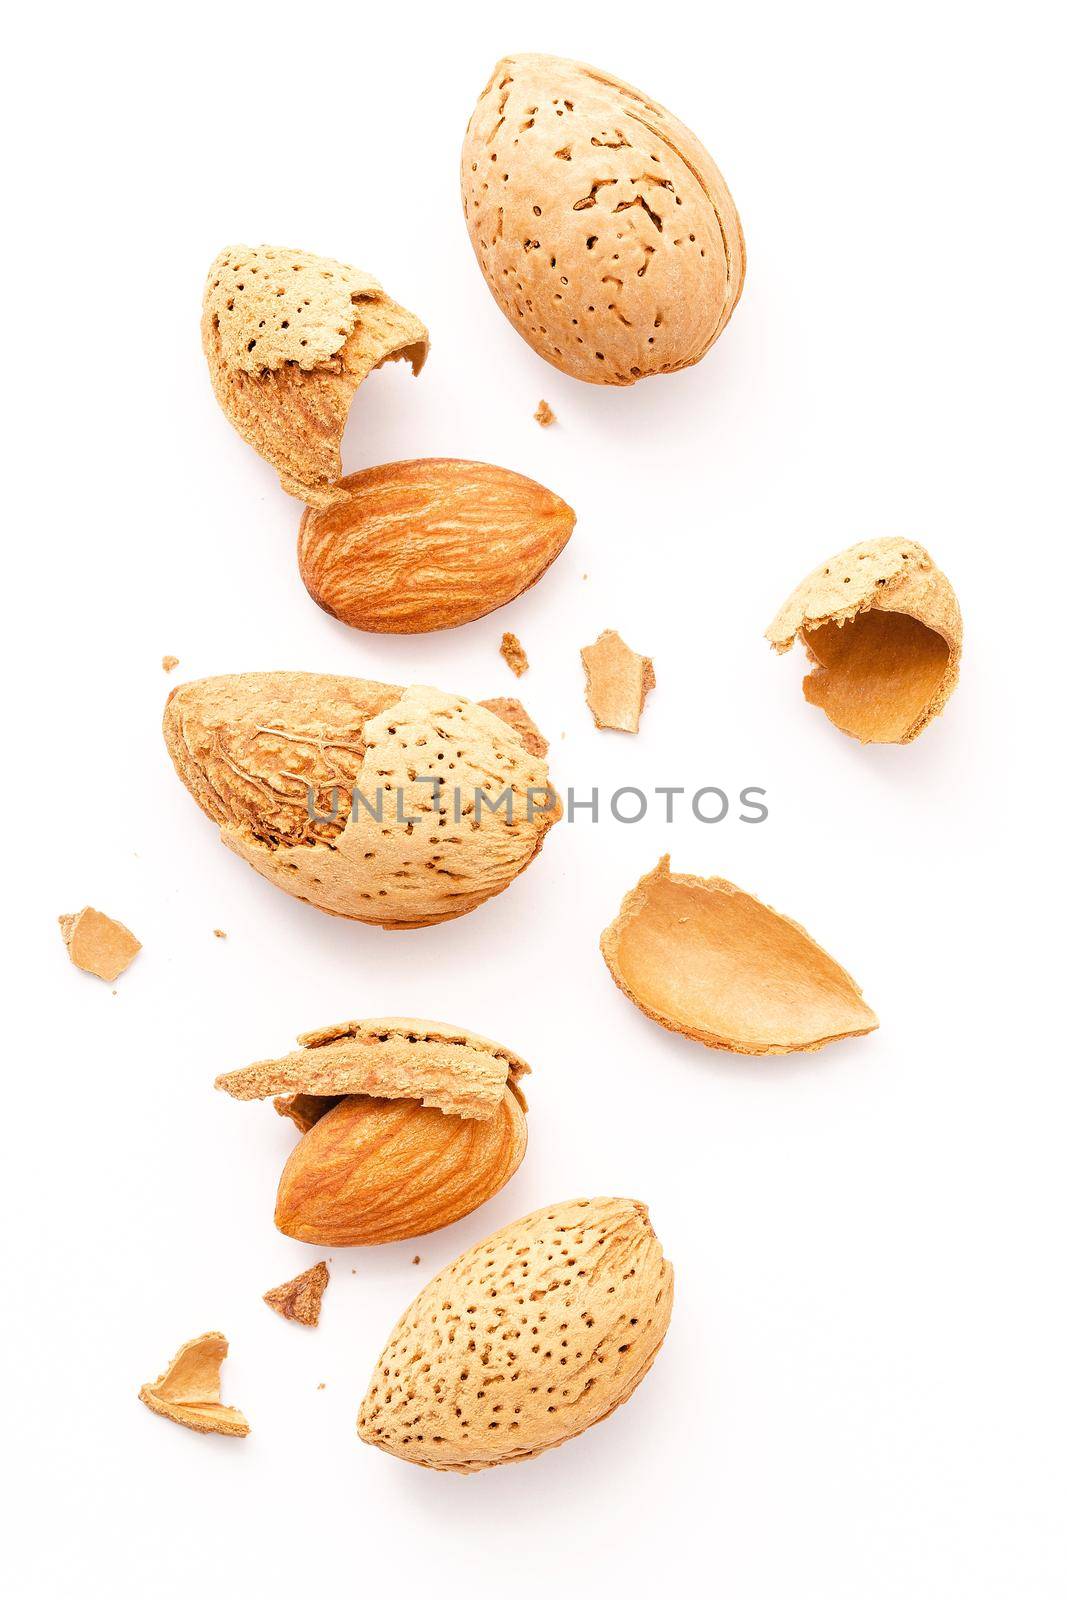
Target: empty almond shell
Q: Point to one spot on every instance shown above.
(407, 1126)
(882, 626)
(289, 337)
(701, 957)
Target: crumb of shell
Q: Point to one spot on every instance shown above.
(97, 944)
(512, 650)
(415, 1260)
(220, 933)
(320, 1386)
(169, 663)
(544, 415)
(300, 1300)
(617, 680)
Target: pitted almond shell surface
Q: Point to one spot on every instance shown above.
(408, 1125)
(189, 1391)
(289, 337)
(882, 627)
(703, 958)
(415, 546)
(251, 748)
(601, 224)
(537, 1333)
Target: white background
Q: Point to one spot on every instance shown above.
(863, 1388)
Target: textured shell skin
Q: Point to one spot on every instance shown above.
(702, 958)
(392, 1058)
(373, 1171)
(534, 1335)
(251, 748)
(289, 337)
(602, 226)
(414, 546)
(893, 576)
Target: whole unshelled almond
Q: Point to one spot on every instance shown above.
(418, 545)
(543, 1329)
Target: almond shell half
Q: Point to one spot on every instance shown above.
(882, 627)
(703, 958)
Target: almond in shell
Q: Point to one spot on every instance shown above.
(289, 337)
(407, 1126)
(882, 628)
(601, 224)
(540, 1331)
(703, 958)
(398, 807)
(420, 545)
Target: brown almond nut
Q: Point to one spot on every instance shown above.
(601, 224)
(289, 337)
(315, 781)
(702, 958)
(882, 628)
(419, 545)
(540, 1331)
(407, 1125)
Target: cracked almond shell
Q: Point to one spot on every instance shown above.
(537, 1333)
(407, 1126)
(251, 749)
(703, 958)
(289, 337)
(602, 226)
(189, 1391)
(414, 546)
(882, 628)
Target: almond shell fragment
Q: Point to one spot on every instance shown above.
(882, 628)
(289, 337)
(703, 958)
(98, 944)
(189, 1391)
(617, 680)
(300, 1300)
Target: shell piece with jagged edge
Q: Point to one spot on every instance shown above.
(602, 226)
(703, 958)
(534, 1335)
(289, 337)
(300, 1299)
(617, 682)
(407, 1126)
(364, 799)
(189, 1392)
(882, 627)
